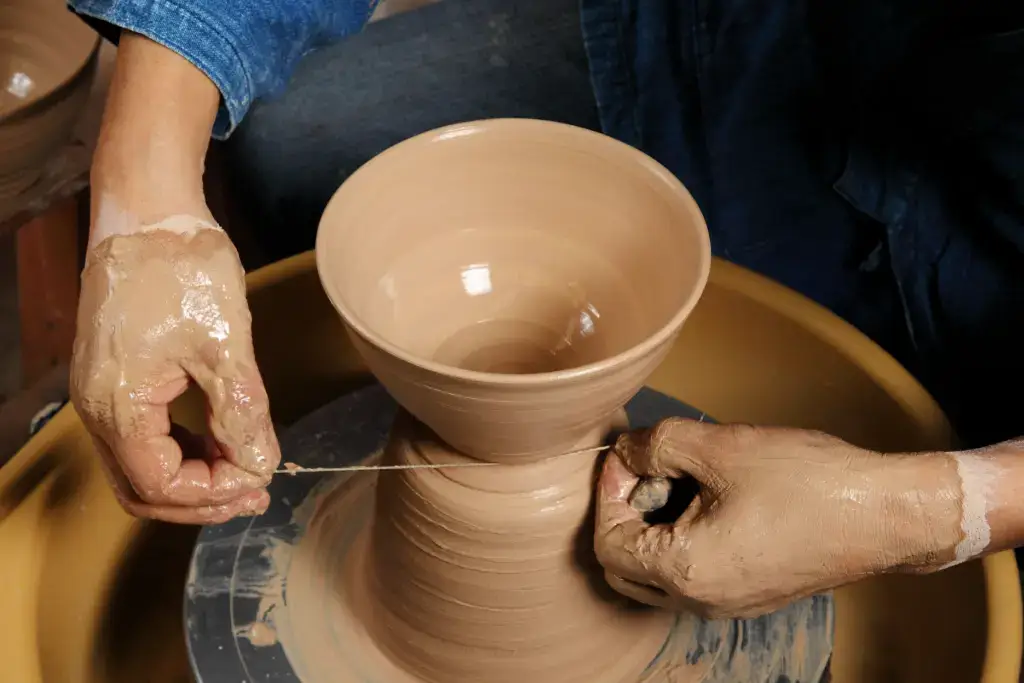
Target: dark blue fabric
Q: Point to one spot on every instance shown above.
(868, 154)
(453, 61)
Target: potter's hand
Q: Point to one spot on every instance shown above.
(163, 306)
(780, 514)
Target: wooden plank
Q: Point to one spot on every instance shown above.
(48, 277)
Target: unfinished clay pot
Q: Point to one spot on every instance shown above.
(47, 60)
(512, 282)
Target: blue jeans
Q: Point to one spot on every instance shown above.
(454, 61)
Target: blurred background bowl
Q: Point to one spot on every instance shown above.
(47, 64)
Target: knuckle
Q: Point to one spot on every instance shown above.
(96, 414)
(671, 424)
(634, 449)
(676, 440)
(166, 491)
(667, 430)
(686, 578)
(709, 595)
(153, 493)
(654, 542)
(152, 497)
(743, 436)
(678, 581)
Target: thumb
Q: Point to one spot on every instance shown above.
(626, 545)
(239, 413)
(646, 562)
(674, 448)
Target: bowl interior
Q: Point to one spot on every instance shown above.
(512, 247)
(42, 47)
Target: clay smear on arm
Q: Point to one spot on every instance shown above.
(111, 220)
(978, 476)
(992, 490)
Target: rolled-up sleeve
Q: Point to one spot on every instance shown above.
(248, 48)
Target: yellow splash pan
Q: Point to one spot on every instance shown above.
(92, 596)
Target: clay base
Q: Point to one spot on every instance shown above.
(328, 640)
(489, 572)
(322, 626)
(262, 602)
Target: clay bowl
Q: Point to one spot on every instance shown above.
(512, 282)
(47, 60)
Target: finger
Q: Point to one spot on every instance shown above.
(627, 546)
(239, 412)
(139, 439)
(249, 504)
(119, 482)
(160, 475)
(647, 595)
(673, 448)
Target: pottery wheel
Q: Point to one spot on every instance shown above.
(236, 596)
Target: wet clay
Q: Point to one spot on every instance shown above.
(978, 476)
(989, 519)
(463, 575)
(489, 573)
(776, 491)
(160, 309)
(47, 60)
(528, 279)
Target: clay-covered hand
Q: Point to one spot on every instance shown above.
(161, 308)
(780, 514)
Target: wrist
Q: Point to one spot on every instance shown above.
(924, 499)
(128, 197)
(992, 486)
(148, 164)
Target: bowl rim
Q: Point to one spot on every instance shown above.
(643, 348)
(28, 106)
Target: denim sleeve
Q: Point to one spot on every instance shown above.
(248, 48)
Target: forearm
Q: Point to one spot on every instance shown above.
(247, 48)
(959, 506)
(153, 141)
